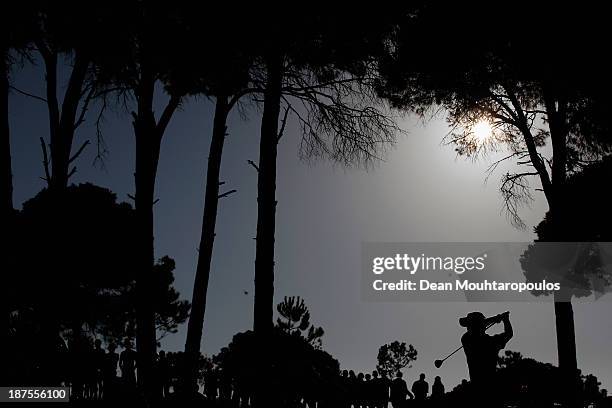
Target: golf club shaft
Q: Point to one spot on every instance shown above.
(451, 354)
(461, 346)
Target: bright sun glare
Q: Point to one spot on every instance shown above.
(482, 131)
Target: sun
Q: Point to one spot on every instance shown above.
(482, 131)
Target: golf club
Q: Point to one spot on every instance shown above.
(438, 363)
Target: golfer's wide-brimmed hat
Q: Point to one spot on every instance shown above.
(472, 319)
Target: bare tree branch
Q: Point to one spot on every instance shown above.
(516, 193)
(166, 115)
(78, 152)
(85, 107)
(240, 94)
(226, 193)
(45, 160)
(101, 150)
(283, 123)
(252, 163)
(342, 118)
(493, 166)
(40, 98)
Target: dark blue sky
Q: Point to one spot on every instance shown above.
(420, 192)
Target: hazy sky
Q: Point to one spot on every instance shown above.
(420, 192)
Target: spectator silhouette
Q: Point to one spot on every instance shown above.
(399, 391)
(239, 398)
(127, 364)
(352, 388)
(77, 366)
(380, 390)
(606, 401)
(225, 386)
(368, 391)
(211, 384)
(481, 351)
(90, 369)
(173, 370)
(437, 389)
(163, 374)
(420, 388)
(359, 390)
(111, 358)
(385, 389)
(97, 361)
(345, 389)
(437, 393)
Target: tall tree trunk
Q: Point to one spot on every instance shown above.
(148, 134)
(554, 190)
(266, 200)
(61, 147)
(7, 200)
(5, 144)
(266, 224)
(147, 156)
(564, 312)
(62, 123)
(566, 350)
(207, 239)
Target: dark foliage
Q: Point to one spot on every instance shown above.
(80, 282)
(394, 357)
(297, 368)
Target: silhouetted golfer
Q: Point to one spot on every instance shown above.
(481, 351)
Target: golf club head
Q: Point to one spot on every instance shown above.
(438, 363)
